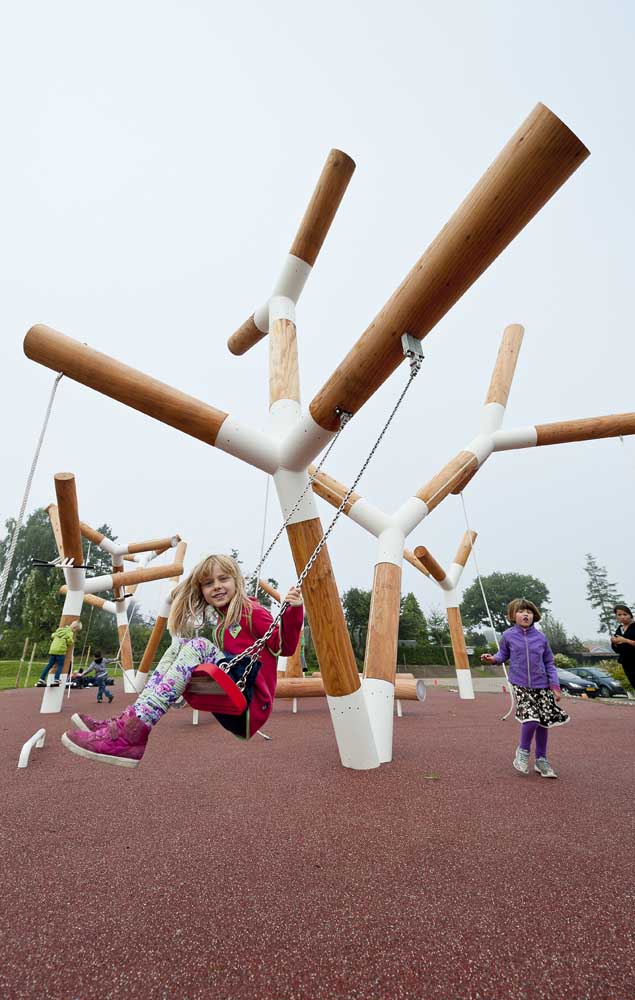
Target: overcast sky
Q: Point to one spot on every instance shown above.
(157, 158)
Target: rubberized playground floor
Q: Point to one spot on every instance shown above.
(233, 871)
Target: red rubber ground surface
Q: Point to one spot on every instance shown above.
(229, 871)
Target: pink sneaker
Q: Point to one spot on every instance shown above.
(87, 723)
(121, 742)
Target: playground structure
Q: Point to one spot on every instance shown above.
(79, 589)
(533, 165)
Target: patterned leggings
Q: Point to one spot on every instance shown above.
(171, 677)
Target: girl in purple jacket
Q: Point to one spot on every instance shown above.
(534, 678)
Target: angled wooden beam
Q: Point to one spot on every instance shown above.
(325, 201)
(68, 516)
(565, 431)
(588, 429)
(465, 548)
(148, 395)
(434, 569)
(536, 161)
(505, 366)
(158, 545)
(54, 518)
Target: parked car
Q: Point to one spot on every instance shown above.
(608, 686)
(577, 685)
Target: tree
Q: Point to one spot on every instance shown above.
(500, 588)
(438, 629)
(555, 633)
(35, 541)
(356, 604)
(412, 622)
(601, 595)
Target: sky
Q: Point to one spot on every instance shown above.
(157, 158)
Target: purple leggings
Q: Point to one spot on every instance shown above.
(527, 731)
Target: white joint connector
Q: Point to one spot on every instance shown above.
(454, 574)
(353, 732)
(284, 414)
(369, 517)
(98, 583)
(410, 514)
(281, 307)
(289, 486)
(492, 416)
(464, 681)
(380, 701)
(106, 545)
(289, 285)
(450, 598)
(390, 548)
(73, 602)
(304, 441)
(74, 578)
(292, 278)
(482, 447)
(516, 437)
(252, 446)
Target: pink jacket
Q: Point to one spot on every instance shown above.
(282, 642)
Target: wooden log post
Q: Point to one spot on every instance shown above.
(325, 201)
(71, 541)
(529, 170)
(123, 626)
(332, 643)
(380, 661)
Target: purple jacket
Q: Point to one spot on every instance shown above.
(530, 658)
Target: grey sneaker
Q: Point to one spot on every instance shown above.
(544, 768)
(521, 760)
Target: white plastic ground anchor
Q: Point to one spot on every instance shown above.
(399, 708)
(195, 716)
(129, 682)
(52, 699)
(294, 706)
(353, 732)
(464, 680)
(380, 700)
(37, 740)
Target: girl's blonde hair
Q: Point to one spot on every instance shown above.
(521, 604)
(189, 609)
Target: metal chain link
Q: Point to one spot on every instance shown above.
(251, 651)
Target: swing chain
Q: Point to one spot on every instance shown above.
(344, 416)
(415, 358)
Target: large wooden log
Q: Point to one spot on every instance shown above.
(324, 609)
(536, 161)
(127, 385)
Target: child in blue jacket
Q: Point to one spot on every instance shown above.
(533, 675)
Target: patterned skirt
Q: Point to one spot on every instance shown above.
(538, 705)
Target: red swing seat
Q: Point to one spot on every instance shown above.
(212, 690)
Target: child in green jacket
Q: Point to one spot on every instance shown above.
(63, 638)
